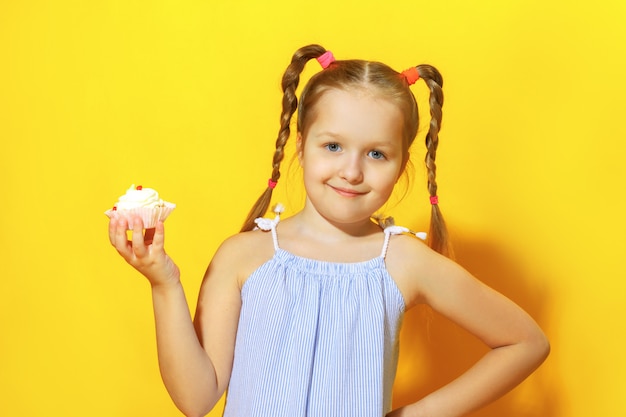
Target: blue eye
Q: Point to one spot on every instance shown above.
(376, 155)
(333, 147)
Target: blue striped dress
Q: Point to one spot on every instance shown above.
(316, 339)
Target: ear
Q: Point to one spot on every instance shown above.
(299, 147)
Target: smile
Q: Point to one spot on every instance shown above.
(345, 192)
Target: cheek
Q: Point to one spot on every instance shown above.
(313, 168)
(388, 179)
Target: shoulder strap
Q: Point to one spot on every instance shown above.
(397, 230)
(275, 236)
(270, 224)
(391, 230)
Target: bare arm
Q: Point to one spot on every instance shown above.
(190, 373)
(518, 346)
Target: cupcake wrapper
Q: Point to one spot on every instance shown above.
(150, 216)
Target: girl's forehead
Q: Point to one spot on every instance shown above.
(353, 91)
(355, 105)
(358, 115)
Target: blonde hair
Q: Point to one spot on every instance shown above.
(379, 79)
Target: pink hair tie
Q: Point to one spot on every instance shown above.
(434, 200)
(326, 59)
(271, 183)
(411, 75)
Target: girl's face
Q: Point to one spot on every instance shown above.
(351, 154)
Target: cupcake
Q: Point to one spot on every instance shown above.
(142, 202)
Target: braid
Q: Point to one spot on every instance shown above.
(438, 234)
(290, 81)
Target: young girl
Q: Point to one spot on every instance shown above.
(301, 317)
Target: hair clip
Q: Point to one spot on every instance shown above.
(326, 59)
(411, 75)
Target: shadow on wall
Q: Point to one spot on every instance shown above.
(434, 351)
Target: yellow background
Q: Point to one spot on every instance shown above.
(184, 96)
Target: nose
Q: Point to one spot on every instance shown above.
(351, 169)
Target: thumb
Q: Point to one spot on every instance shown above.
(157, 236)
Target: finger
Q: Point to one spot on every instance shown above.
(119, 238)
(137, 237)
(112, 229)
(158, 239)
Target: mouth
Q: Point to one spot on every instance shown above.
(347, 192)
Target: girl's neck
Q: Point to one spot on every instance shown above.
(310, 222)
(309, 234)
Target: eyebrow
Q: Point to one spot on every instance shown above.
(382, 143)
(331, 134)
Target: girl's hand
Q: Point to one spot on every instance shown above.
(145, 253)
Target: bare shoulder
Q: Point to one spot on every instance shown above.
(424, 276)
(411, 263)
(219, 301)
(243, 253)
(235, 260)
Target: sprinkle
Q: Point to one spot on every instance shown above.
(139, 187)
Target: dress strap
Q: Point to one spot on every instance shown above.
(397, 230)
(391, 230)
(270, 224)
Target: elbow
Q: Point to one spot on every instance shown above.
(193, 412)
(190, 408)
(540, 347)
(545, 348)
(194, 399)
